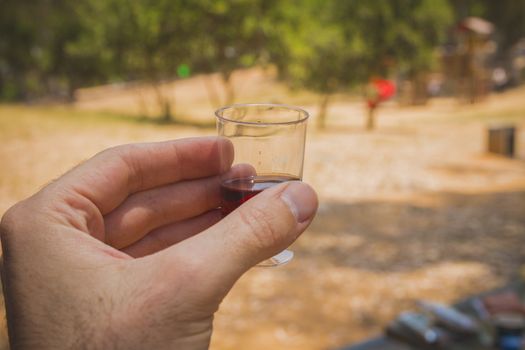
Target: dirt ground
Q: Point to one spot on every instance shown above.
(415, 209)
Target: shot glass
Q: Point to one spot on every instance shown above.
(268, 142)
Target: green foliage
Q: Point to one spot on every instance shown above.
(228, 33)
(318, 56)
(328, 46)
(140, 39)
(43, 49)
(509, 19)
(21, 58)
(343, 43)
(55, 46)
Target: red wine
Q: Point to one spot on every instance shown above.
(234, 192)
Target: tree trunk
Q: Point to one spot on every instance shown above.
(164, 103)
(167, 117)
(142, 104)
(419, 92)
(228, 86)
(213, 96)
(71, 88)
(169, 107)
(370, 120)
(321, 118)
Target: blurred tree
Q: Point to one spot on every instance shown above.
(402, 37)
(338, 44)
(310, 50)
(323, 45)
(18, 36)
(44, 56)
(74, 59)
(230, 34)
(74, 44)
(509, 19)
(144, 40)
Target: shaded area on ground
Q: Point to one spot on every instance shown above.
(394, 236)
(362, 263)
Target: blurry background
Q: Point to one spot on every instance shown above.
(412, 205)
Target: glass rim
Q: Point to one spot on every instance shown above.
(219, 113)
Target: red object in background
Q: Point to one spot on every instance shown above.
(380, 90)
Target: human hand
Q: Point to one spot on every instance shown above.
(126, 250)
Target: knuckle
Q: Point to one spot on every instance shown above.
(120, 152)
(126, 155)
(259, 223)
(112, 152)
(9, 220)
(12, 214)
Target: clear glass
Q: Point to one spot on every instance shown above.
(268, 142)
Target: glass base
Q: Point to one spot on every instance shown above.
(280, 259)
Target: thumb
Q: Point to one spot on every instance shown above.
(268, 223)
(257, 230)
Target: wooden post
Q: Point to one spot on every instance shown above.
(321, 117)
(370, 119)
(501, 140)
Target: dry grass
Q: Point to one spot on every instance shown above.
(412, 210)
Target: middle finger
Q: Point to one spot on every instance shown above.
(144, 211)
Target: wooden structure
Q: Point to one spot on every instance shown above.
(465, 64)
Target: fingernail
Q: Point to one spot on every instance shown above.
(301, 199)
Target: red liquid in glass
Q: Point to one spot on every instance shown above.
(235, 192)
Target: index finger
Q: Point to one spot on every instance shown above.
(112, 175)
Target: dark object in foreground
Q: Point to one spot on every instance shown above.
(418, 330)
(439, 327)
(501, 140)
(450, 318)
(509, 331)
(235, 192)
(492, 334)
